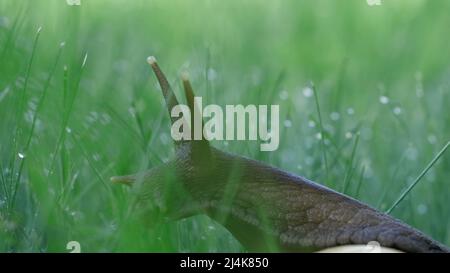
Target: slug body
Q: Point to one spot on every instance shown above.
(265, 208)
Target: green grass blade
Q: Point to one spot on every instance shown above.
(322, 133)
(422, 174)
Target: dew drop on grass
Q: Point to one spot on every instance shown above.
(19, 82)
(411, 153)
(105, 119)
(432, 139)
(21, 155)
(4, 92)
(348, 135)
(287, 123)
(311, 124)
(334, 116)
(284, 95)
(308, 92)
(422, 209)
(92, 117)
(28, 116)
(96, 157)
(397, 110)
(132, 111)
(299, 167)
(329, 128)
(384, 100)
(211, 227)
(68, 130)
(319, 136)
(350, 111)
(212, 74)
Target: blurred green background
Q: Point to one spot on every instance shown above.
(381, 73)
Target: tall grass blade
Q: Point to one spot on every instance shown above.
(422, 174)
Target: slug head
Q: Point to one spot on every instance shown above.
(165, 190)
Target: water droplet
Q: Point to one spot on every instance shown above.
(411, 153)
(308, 92)
(329, 128)
(284, 95)
(211, 227)
(432, 139)
(300, 167)
(92, 117)
(28, 116)
(348, 135)
(4, 92)
(132, 111)
(422, 209)
(287, 123)
(397, 110)
(21, 155)
(105, 118)
(319, 136)
(311, 124)
(212, 74)
(384, 100)
(96, 157)
(334, 116)
(350, 111)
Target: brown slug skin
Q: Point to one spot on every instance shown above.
(264, 206)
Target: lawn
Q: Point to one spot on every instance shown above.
(79, 104)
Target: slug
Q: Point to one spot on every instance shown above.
(263, 206)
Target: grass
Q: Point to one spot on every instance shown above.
(74, 115)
